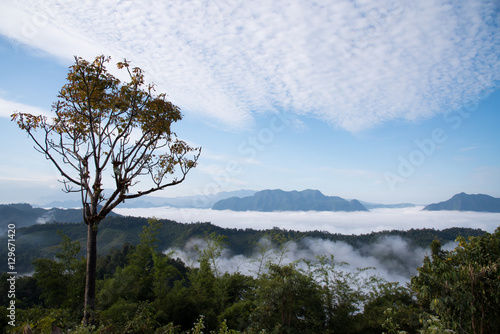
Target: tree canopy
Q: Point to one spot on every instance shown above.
(102, 124)
(462, 286)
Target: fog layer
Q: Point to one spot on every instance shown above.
(334, 222)
(391, 257)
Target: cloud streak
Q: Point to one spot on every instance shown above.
(7, 108)
(353, 64)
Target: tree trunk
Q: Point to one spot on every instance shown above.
(90, 277)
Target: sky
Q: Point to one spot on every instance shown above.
(385, 101)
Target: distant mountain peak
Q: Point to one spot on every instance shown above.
(279, 200)
(467, 202)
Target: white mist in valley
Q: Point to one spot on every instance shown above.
(393, 258)
(359, 222)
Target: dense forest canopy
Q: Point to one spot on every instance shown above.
(40, 240)
(142, 288)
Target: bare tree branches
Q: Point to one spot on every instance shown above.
(101, 125)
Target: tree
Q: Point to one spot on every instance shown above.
(102, 124)
(343, 293)
(462, 286)
(288, 301)
(62, 279)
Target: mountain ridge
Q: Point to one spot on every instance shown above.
(23, 215)
(195, 201)
(370, 205)
(280, 200)
(467, 202)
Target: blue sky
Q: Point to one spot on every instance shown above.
(383, 101)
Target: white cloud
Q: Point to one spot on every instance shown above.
(333, 222)
(31, 26)
(354, 65)
(7, 108)
(470, 148)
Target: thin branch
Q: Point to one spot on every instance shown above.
(49, 157)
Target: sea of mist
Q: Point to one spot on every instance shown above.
(393, 258)
(359, 222)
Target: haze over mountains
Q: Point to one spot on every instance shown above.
(337, 223)
(22, 215)
(397, 254)
(245, 200)
(279, 200)
(466, 202)
(306, 209)
(314, 200)
(197, 201)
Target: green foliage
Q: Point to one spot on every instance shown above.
(38, 241)
(43, 321)
(224, 329)
(117, 258)
(343, 292)
(389, 324)
(68, 252)
(62, 280)
(27, 291)
(135, 281)
(403, 312)
(86, 329)
(433, 325)
(50, 277)
(142, 321)
(142, 290)
(462, 286)
(211, 252)
(287, 301)
(199, 326)
(272, 248)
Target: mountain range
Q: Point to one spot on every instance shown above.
(467, 202)
(196, 201)
(279, 200)
(314, 200)
(22, 215)
(243, 200)
(370, 206)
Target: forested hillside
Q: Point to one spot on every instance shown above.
(23, 215)
(41, 240)
(140, 289)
